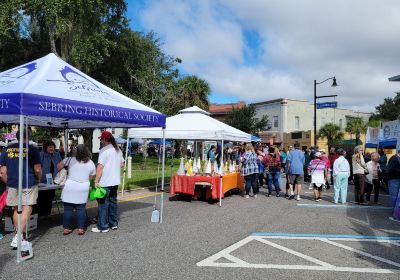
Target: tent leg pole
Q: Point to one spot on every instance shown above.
(126, 161)
(20, 174)
(222, 172)
(65, 143)
(162, 177)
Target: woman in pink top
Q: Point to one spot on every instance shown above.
(317, 170)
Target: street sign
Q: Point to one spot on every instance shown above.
(323, 105)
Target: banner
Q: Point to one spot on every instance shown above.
(372, 135)
(390, 130)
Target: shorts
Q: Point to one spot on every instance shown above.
(318, 188)
(29, 196)
(296, 179)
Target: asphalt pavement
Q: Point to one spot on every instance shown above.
(194, 231)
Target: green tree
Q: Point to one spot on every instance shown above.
(356, 126)
(331, 132)
(245, 119)
(40, 134)
(388, 110)
(186, 92)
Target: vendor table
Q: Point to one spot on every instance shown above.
(45, 187)
(187, 184)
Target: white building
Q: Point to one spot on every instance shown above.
(289, 115)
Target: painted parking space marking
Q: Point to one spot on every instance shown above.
(267, 238)
(364, 207)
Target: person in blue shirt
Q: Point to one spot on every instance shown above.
(295, 161)
(9, 162)
(49, 158)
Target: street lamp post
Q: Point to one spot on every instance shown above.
(334, 84)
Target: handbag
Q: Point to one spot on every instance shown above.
(366, 171)
(3, 200)
(62, 175)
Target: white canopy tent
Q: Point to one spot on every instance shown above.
(49, 92)
(194, 124)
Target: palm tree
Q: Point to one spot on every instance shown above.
(356, 126)
(186, 92)
(195, 92)
(331, 132)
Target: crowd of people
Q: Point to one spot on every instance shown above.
(39, 166)
(262, 165)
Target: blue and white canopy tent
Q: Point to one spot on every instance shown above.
(387, 136)
(49, 92)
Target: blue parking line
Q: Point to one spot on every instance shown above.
(326, 235)
(366, 207)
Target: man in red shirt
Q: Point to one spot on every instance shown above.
(332, 157)
(272, 162)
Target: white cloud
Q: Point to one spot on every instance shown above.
(300, 41)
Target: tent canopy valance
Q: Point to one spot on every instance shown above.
(55, 94)
(193, 124)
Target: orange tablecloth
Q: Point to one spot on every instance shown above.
(232, 181)
(186, 184)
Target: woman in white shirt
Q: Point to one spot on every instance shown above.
(341, 173)
(75, 193)
(359, 168)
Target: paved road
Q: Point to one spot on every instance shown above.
(194, 231)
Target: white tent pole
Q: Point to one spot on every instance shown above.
(20, 177)
(126, 162)
(221, 175)
(162, 176)
(65, 143)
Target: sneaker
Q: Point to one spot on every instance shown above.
(255, 196)
(15, 241)
(96, 230)
(278, 195)
(268, 195)
(317, 199)
(298, 198)
(310, 187)
(286, 195)
(246, 196)
(291, 197)
(114, 227)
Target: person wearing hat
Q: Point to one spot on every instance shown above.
(317, 169)
(341, 174)
(108, 176)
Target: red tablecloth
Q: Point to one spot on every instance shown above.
(186, 184)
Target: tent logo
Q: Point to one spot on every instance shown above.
(13, 75)
(4, 103)
(80, 84)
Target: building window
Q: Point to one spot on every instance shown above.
(341, 123)
(297, 135)
(296, 123)
(275, 121)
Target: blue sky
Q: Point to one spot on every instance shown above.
(256, 50)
